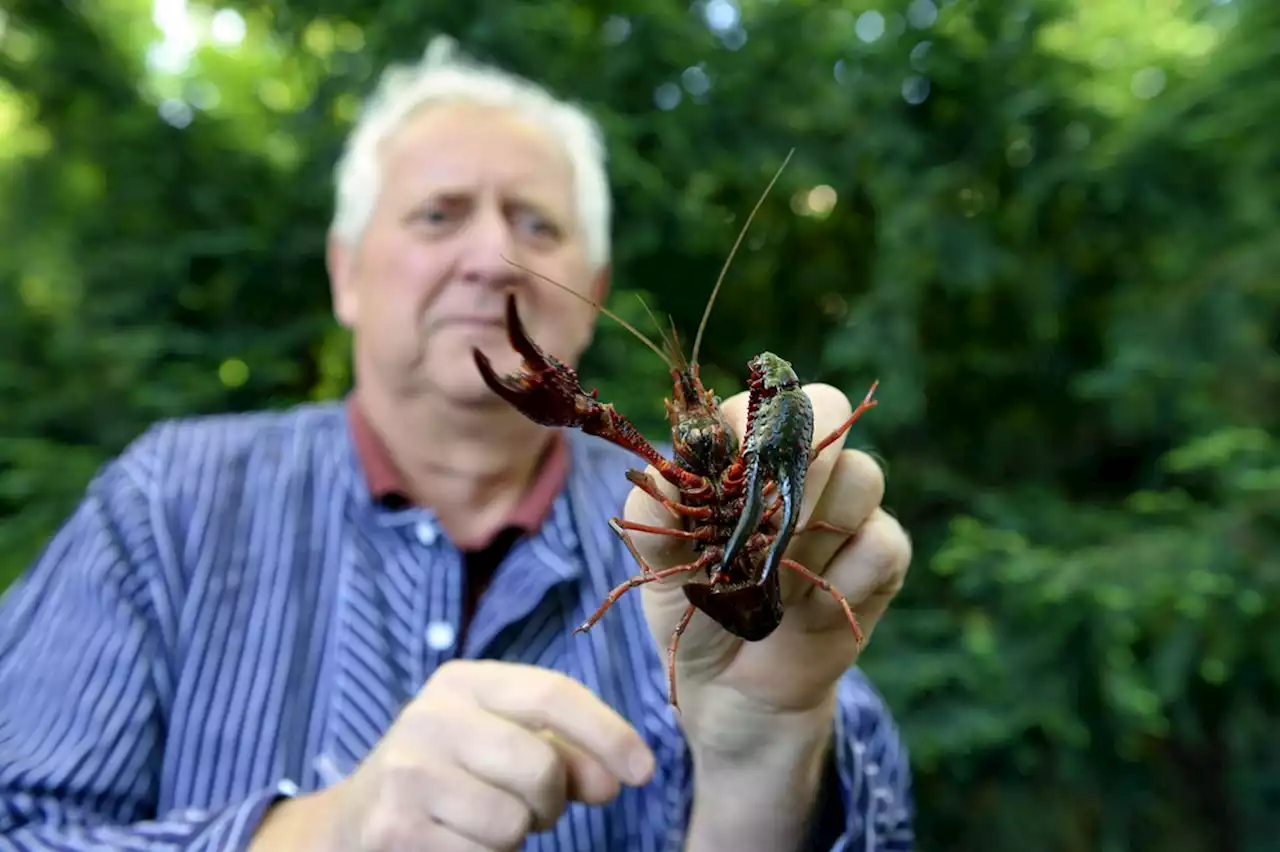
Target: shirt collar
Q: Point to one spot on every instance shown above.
(386, 483)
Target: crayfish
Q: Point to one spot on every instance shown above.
(723, 483)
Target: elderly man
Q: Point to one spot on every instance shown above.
(350, 627)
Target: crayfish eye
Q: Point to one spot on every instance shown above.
(695, 439)
(707, 448)
(694, 445)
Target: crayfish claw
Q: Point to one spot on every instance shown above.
(548, 392)
(508, 390)
(542, 388)
(520, 340)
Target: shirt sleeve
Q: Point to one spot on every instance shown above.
(874, 808)
(83, 679)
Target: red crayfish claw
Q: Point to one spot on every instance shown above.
(542, 389)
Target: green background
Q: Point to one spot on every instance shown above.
(1055, 241)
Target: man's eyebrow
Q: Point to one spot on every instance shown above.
(538, 198)
(444, 190)
(541, 198)
(420, 199)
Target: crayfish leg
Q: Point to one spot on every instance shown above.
(867, 403)
(648, 576)
(700, 534)
(621, 527)
(679, 511)
(823, 526)
(671, 654)
(831, 590)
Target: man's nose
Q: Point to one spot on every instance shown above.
(488, 245)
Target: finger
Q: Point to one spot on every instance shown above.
(476, 811)
(589, 780)
(853, 492)
(541, 699)
(830, 409)
(868, 571)
(447, 841)
(735, 409)
(510, 757)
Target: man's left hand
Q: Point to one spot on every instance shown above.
(736, 697)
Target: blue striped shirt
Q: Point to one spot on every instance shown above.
(228, 618)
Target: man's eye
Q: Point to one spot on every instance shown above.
(433, 215)
(539, 225)
(436, 213)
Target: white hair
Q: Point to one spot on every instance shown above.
(446, 75)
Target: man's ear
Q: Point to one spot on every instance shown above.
(340, 260)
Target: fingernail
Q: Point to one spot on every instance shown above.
(641, 766)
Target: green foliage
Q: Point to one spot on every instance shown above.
(1053, 240)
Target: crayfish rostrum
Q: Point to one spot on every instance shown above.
(723, 483)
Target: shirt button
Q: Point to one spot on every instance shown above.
(440, 635)
(426, 533)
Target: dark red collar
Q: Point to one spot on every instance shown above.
(387, 484)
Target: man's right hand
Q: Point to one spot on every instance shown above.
(486, 754)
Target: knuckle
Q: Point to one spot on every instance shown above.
(438, 720)
(398, 771)
(511, 821)
(895, 549)
(547, 691)
(450, 676)
(444, 721)
(546, 772)
(829, 400)
(383, 829)
(902, 550)
(866, 472)
(516, 744)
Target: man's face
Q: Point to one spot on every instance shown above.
(462, 187)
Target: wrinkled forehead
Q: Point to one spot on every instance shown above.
(461, 147)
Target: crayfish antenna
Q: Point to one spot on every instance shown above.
(669, 344)
(684, 365)
(601, 308)
(697, 341)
